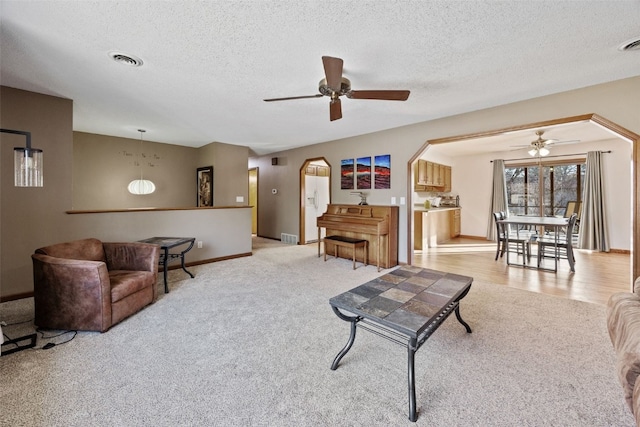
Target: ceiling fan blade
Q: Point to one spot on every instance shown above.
(387, 95)
(333, 72)
(555, 141)
(335, 109)
(318, 95)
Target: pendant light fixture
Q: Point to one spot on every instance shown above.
(27, 162)
(141, 186)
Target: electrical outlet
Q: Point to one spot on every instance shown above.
(393, 200)
(199, 244)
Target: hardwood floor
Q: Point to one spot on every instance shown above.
(597, 276)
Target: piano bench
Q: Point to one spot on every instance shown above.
(348, 242)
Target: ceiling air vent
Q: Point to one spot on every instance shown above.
(633, 44)
(126, 59)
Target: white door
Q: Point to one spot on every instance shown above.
(316, 201)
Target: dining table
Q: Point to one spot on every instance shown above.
(543, 224)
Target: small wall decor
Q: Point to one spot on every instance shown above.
(204, 189)
(346, 174)
(363, 173)
(382, 171)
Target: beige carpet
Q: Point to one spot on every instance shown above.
(249, 342)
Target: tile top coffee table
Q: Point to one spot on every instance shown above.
(405, 306)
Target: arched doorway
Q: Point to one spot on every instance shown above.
(593, 118)
(315, 195)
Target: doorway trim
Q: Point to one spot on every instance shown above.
(302, 173)
(254, 214)
(595, 118)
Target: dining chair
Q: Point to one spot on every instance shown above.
(520, 241)
(551, 247)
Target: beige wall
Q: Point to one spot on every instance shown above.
(616, 101)
(32, 217)
(104, 165)
(35, 217)
(230, 172)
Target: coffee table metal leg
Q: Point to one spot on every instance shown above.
(352, 336)
(165, 266)
(466, 326)
(411, 350)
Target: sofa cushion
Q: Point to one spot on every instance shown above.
(623, 323)
(127, 282)
(85, 249)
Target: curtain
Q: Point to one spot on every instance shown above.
(593, 221)
(498, 197)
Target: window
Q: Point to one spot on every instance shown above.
(543, 189)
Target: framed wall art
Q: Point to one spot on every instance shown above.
(346, 174)
(204, 179)
(363, 173)
(382, 171)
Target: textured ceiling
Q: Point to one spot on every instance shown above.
(208, 65)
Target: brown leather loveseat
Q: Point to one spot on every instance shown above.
(92, 285)
(623, 323)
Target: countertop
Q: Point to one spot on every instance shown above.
(443, 208)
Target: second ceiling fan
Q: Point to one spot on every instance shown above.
(334, 85)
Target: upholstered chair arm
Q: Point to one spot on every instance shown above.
(71, 294)
(132, 256)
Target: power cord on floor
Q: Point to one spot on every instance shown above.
(49, 345)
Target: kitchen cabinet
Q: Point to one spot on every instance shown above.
(447, 179)
(429, 180)
(434, 226)
(420, 176)
(317, 170)
(430, 176)
(454, 221)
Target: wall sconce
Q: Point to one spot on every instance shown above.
(27, 162)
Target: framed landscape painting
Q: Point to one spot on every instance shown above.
(204, 177)
(382, 172)
(346, 174)
(363, 173)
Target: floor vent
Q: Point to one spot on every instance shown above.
(290, 239)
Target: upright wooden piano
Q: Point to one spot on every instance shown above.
(377, 224)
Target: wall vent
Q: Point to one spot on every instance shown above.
(289, 239)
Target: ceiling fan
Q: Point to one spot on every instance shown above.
(335, 85)
(539, 147)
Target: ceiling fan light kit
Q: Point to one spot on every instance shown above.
(335, 85)
(538, 147)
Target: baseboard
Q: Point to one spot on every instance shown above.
(210, 260)
(464, 236)
(620, 251)
(16, 296)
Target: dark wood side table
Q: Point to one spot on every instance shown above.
(406, 307)
(167, 243)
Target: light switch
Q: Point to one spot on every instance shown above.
(402, 201)
(393, 200)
